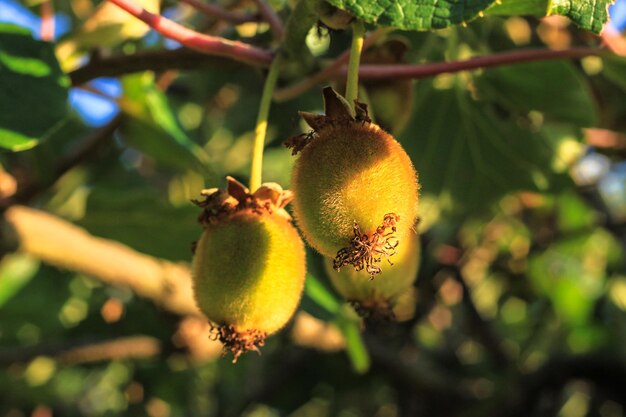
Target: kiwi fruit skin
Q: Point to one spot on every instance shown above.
(352, 173)
(356, 286)
(248, 271)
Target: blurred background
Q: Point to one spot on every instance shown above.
(520, 297)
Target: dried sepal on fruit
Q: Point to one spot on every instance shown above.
(388, 297)
(355, 188)
(249, 264)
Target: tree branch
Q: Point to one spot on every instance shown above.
(207, 44)
(416, 71)
(65, 245)
(169, 285)
(163, 60)
(131, 347)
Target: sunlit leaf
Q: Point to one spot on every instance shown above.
(414, 15)
(590, 15)
(15, 272)
(153, 128)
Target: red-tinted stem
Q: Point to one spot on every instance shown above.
(47, 21)
(211, 45)
(413, 71)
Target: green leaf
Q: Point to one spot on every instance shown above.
(572, 273)
(34, 89)
(591, 15)
(16, 271)
(468, 154)
(614, 69)
(344, 318)
(557, 90)
(315, 290)
(355, 348)
(153, 128)
(519, 7)
(587, 14)
(142, 218)
(414, 15)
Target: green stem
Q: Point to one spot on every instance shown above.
(352, 83)
(261, 124)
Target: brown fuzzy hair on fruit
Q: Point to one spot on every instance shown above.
(249, 264)
(380, 298)
(355, 188)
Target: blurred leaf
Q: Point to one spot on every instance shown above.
(574, 214)
(355, 348)
(587, 14)
(153, 128)
(519, 7)
(321, 295)
(614, 68)
(142, 218)
(414, 15)
(34, 89)
(572, 273)
(467, 156)
(15, 272)
(555, 89)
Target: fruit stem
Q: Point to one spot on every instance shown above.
(261, 124)
(352, 83)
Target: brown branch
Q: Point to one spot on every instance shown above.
(276, 24)
(162, 60)
(167, 284)
(133, 347)
(211, 45)
(220, 13)
(416, 71)
(64, 245)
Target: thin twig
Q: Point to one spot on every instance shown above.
(220, 13)
(212, 45)
(161, 60)
(416, 71)
(276, 24)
